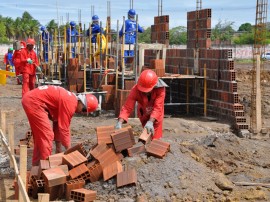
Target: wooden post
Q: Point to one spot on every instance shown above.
(187, 92)
(11, 141)
(43, 197)
(205, 91)
(258, 95)
(23, 168)
(3, 121)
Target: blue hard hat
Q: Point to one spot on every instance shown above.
(72, 23)
(95, 18)
(42, 28)
(132, 13)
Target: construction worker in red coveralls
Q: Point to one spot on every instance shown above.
(149, 92)
(54, 103)
(30, 64)
(16, 58)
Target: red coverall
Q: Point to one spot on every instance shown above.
(16, 59)
(153, 108)
(28, 70)
(41, 105)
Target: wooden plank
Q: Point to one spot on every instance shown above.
(23, 170)
(43, 197)
(252, 184)
(11, 141)
(23, 194)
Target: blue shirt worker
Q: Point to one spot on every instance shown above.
(130, 32)
(46, 39)
(72, 34)
(95, 29)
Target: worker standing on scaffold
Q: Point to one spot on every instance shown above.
(130, 33)
(46, 39)
(72, 34)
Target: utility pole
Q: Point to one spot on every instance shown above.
(258, 49)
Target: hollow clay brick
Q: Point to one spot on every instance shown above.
(127, 177)
(74, 159)
(112, 170)
(71, 185)
(158, 148)
(83, 195)
(54, 176)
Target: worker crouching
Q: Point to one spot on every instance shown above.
(150, 95)
(53, 103)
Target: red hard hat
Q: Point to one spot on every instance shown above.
(30, 41)
(92, 102)
(147, 81)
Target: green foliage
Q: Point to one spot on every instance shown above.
(178, 35)
(223, 31)
(245, 38)
(3, 38)
(246, 27)
(145, 37)
(51, 26)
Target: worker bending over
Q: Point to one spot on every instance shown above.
(29, 64)
(149, 92)
(53, 103)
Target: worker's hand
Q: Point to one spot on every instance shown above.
(29, 61)
(118, 125)
(149, 126)
(38, 69)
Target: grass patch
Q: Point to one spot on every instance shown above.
(244, 61)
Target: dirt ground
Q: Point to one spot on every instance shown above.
(205, 161)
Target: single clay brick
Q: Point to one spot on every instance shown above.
(79, 147)
(136, 149)
(95, 172)
(83, 195)
(54, 176)
(74, 159)
(104, 134)
(98, 149)
(107, 158)
(112, 170)
(73, 184)
(56, 159)
(145, 138)
(78, 171)
(127, 177)
(121, 140)
(158, 148)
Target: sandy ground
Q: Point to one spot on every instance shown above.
(205, 159)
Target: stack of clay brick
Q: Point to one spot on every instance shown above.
(160, 30)
(64, 175)
(157, 65)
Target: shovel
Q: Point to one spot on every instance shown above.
(103, 77)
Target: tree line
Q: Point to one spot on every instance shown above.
(26, 26)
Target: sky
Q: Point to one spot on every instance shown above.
(237, 11)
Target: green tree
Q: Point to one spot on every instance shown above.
(246, 27)
(145, 37)
(3, 37)
(9, 23)
(51, 26)
(245, 38)
(223, 31)
(178, 35)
